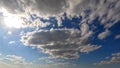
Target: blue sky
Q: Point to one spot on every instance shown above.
(59, 33)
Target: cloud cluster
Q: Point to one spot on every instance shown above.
(100, 7)
(60, 43)
(42, 7)
(65, 43)
(106, 10)
(114, 59)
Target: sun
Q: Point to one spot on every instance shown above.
(12, 20)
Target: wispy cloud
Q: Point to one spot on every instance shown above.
(88, 48)
(104, 34)
(14, 59)
(114, 59)
(11, 42)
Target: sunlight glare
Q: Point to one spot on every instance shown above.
(12, 20)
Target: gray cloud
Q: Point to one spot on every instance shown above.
(12, 6)
(51, 7)
(60, 43)
(42, 7)
(109, 9)
(106, 10)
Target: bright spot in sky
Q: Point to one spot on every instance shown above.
(9, 32)
(12, 21)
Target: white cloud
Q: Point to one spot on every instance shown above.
(36, 24)
(84, 28)
(89, 48)
(10, 65)
(114, 59)
(11, 42)
(117, 36)
(14, 59)
(104, 34)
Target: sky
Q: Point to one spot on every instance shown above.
(59, 33)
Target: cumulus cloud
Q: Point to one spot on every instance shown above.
(37, 23)
(58, 6)
(65, 43)
(59, 43)
(106, 10)
(43, 7)
(114, 59)
(104, 34)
